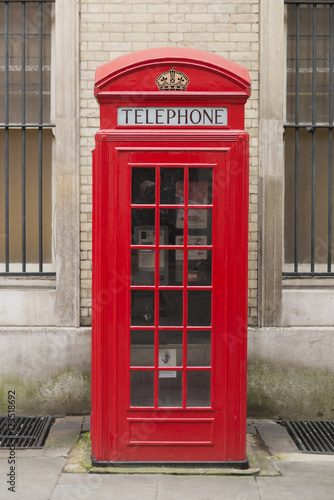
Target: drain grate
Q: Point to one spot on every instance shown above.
(27, 432)
(311, 436)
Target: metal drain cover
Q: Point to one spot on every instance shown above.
(311, 436)
(24, 432)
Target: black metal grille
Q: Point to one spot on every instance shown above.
(25, 135)
(309, 139)
(311, 436)
(24, 432)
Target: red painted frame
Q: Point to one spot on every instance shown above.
(121, 433)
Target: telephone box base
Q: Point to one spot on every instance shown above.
(242, 464)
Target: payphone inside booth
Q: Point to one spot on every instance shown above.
(170, 233)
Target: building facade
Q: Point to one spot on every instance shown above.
(48, 119)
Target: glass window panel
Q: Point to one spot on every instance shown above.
(142, 388)
(170, 307)
(199, 226)
(305, 200)
(143, 226)
(200, 186)
(322, 64)
(15, 63)
(199, 348)
(15, 198)
(199, 267)
(142, 307)
(142, 348)
(142, 267)
(33, 62)
(171, 222)
(199, 307)
(2, 62)
(170, 388)
(170, 348)
(199, 388)
(143, 185)
(171, 186)
(171, 273)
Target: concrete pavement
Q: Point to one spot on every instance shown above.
(278, 472)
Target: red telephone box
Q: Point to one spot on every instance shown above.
(170, 232)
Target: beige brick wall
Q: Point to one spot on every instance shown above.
(110, 29)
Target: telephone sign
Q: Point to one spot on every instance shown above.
(170, 232)
(171, 116)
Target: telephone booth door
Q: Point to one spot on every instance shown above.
(170, 288)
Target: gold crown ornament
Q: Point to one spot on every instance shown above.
(172, 80)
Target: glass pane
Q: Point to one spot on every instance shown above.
(143, 185)
(33, 62)
(322, 64)
(171, 307)
(2, 62)
(171, 186)
(142, 388)
(143, 226)
(200, 186)
(170, 388)
(142, 348)
(171, 222)
(199, 226)
(199, 308)
(15, 63)
(170, 348)
(305, 59)
(142, 307)
(305, 200)
(199, 267)
(142, 267)
(172, 271)
(199, 348)
(199, 388)
(32, 196)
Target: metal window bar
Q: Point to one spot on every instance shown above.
(7, 126)
(312, 128)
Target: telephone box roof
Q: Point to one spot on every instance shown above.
(120, 73)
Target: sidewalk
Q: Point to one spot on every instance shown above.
(277, 472)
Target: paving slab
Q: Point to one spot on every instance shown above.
(207, 488)
(35, 478)
(64, 432)
(276, 438)
(105, 487)
(299, 481)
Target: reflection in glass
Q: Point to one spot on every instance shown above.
(142, 348)
(170, 348)
(142, 307)
(143, 185)
(142, 267)
(172, 272)
(171, 186)
(199, 388)
(142, 388)
(199, 226)
(172, 220)
(199, 307)
(199, 267)
(170, 388)
(143, 226)
(199, 348)
(200, 186)
(170, 307)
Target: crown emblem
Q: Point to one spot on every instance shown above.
(172, 80)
